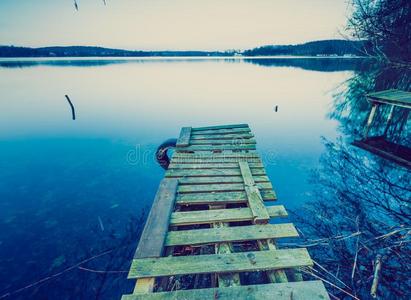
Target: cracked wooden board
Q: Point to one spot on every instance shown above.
(230, 234)
(306, 290)
(219, 263)
(221, 215)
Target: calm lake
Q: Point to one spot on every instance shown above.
(70, 190)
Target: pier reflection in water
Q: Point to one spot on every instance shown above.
(361, 216)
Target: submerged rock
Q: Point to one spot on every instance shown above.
(58, 261)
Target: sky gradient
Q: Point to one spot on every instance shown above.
(170, 24)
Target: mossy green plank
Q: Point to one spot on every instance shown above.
(393, 97)
(228, 126)
(256, 204)
(219, 179)
(152, 239)
(217, 147)
(211, 166)
(215, 160)
(221, 197)
(202, 188)
(184, 139)
(305, 290)
(222, 136)
(219, 263)
(246, 173)
(255, 200)
(207, 155)
(221, 131)
(229, 234)
(223, 142)
(221, 215)
(210, 172)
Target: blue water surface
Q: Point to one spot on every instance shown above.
(70, 189)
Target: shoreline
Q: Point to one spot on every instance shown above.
(80, 58)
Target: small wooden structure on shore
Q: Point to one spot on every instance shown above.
(209, 226)
(380, 145)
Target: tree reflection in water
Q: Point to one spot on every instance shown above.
(362, 202)
(362, 210)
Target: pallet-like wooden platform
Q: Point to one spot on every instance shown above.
(214, 196)
(391, 97)
(383, 145)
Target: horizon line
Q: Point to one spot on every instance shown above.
(177, 50)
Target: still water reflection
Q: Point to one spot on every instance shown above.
(67, 189)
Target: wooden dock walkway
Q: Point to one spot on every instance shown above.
(383, 145)
(208, 234)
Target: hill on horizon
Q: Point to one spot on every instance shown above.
(314, 48)
(324, 47)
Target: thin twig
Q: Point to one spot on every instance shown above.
(328, 272)
(330, 283)
(101, 271)
(56, 274)
(356, 253)
(377, 270)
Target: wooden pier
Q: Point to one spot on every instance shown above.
(380, 145)
(208, 234)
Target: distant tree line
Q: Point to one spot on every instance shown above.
(326, 47)
(85, 51)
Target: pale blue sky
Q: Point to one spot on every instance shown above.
(170, 24)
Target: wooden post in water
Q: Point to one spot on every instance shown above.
(389, 120)
(370, 119)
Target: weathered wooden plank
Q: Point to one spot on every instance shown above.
(273, 275)
(221, 180)
(224, 279)
(223, 142)
(221, 215)
(221, 198)
(222, 131)
(228, 126)
(154, 233)
(393, 97)
(223, 155)
(184, 139)
(188, 160)
(222, 136)
(255, 200)
(230, 234)
(307, 290)
(256, 204)
(144, 285)
(246, 173)
(211, 166)
(204, 188)
(210, 172)
(219, 263)
(217, 147)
